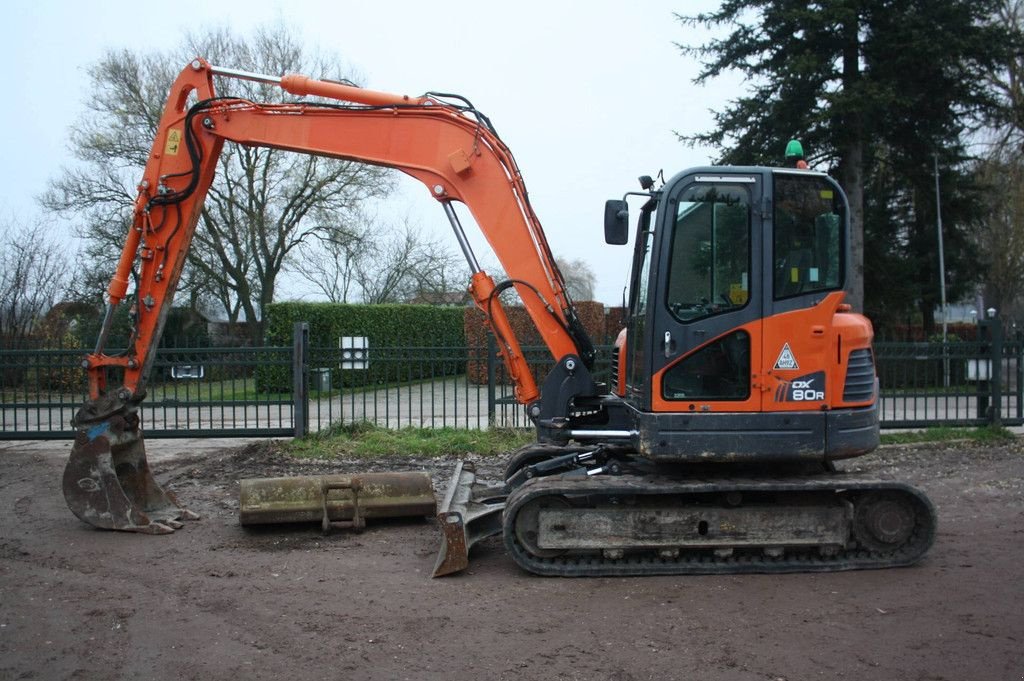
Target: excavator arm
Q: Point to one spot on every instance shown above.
(438, 139)
(451, 149)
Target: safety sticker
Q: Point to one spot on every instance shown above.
(173, 142)
(786, 359)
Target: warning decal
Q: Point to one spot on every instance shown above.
(786, 359)
(173, 142)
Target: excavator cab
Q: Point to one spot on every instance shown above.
(738, 344)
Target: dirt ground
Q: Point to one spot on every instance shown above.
(217, 601)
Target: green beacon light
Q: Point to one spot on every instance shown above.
(795, 155)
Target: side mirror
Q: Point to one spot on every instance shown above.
(616, 222)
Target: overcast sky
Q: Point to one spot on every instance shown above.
(586, 94)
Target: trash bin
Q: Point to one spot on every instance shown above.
(320, 379)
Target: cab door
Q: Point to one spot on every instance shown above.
(704, 328)
(802, 367)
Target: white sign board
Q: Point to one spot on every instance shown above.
(979, 369)
(355, 352)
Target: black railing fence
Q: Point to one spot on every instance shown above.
(284, 391)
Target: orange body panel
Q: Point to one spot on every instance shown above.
(819, 339)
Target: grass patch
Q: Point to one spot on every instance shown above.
(369, 440)
(945, 434)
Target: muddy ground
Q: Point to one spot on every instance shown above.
(216, 601)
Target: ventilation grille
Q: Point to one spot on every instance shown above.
(860, 377)
(615, 370)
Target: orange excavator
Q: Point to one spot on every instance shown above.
(741, 375)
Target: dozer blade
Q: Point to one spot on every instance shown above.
(469, 512)
(107, 480)
(335, 500)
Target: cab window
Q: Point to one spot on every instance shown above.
(718, 371)
(808, 219)
(709, 262)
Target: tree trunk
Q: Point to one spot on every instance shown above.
(852, 165)
(927, 308)
(852, 179)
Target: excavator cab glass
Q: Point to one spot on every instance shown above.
(807, 240)
(709, 264)
(638, 379)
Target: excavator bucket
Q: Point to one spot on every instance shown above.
(469, 512)
(107, 480)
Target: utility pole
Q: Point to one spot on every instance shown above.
(942, 276)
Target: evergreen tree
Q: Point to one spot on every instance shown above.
(874, 88)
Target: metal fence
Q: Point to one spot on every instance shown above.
(283, 391)
(952, 384)
(208, 391)
(431, 387)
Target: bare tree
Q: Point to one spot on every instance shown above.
(1001, 173)
(1002, 239)
(330, 263)
(402, 264)
(380, 265)
(437, 272)
(1008, 83)
(263, 204)
(579, 278)
(33, 276)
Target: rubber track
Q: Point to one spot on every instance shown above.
(703, 562)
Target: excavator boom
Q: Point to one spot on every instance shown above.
(451, 149)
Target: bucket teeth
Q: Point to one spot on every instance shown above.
(108, 483)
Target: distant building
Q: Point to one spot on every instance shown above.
(958, 313)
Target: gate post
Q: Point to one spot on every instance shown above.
(990, 391)
(997, 367)
(1018, 361)
(300, 378)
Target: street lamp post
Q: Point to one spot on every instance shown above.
(942, 276)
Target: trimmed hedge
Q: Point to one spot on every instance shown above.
(390, 329)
